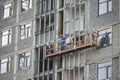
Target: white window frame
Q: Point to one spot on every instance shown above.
(7, 37)
(26, 4)
(102, 33)
(8, 10)
(104, 6)
(25, 31)
(24, 60)
(105, 66)
(5, 65)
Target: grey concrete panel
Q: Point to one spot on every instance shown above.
(25, 43)
(115, 69)
(97, 21)
(26, 15)
(93, 72)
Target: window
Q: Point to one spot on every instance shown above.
(47, 5)
(8, 10)
(25, 31)
(4, 65)
(52, 4)
(50, 63)
(45, 64)
(26, 4)
(50, 76)
(45, 77)
(104, 71)
(24, 60)
(104, 37)
(40, 78)
(42, 64)
(6, 37)
(105, 6)
(43, 6)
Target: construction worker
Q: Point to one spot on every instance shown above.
(62, 42)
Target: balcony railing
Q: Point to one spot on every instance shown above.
(78, 42)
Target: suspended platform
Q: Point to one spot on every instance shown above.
(78, 42)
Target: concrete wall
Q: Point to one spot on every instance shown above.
(7, 49)
(115, 68)
(26, 73)
(4, 23)
(17, 46)
(101, 21)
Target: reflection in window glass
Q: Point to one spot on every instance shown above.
(104, 70)
(52, 4)
(76, 24)
(110, 6)
(102, 74)
(67, 28)
(47, 5)
(109, 71)
(25, 31)
(24, 60)
(8, 10)
(45, 77)
(50, 77)
(4, 65)
(105, 6)
(105, 37)
(102, 1)
(26, 4)
(6, 37)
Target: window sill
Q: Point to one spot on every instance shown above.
(9, 17)
(5, 45)
(26, 10)
(4, 73)
(99, 15)
(26, 68)
(104, 46)
(25, 38)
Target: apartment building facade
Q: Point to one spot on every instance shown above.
(31, 48)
